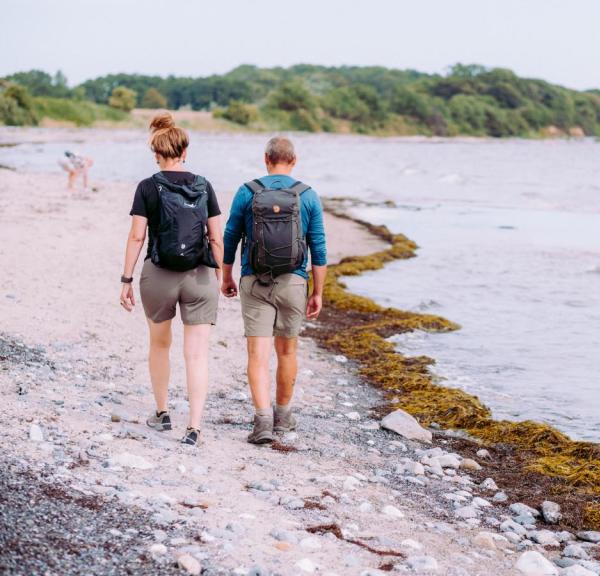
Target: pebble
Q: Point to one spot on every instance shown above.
(115, 418)
(469, 464)
(410, 543)
(340, 358)
(532, 563)
(589, 536)
(261, 486)
(392, 511)
(157, 549)
(525, 520)
(306, 565)
(500, 497)
(351, 483)
(465, 512)
(480, 502)
(406, 425)
(489, 484)
(422, 563)
(483, 453)
(485, 540)
(551, 512)
(35, 433)
(189, 564)
(449, 461)
(353, 416)
(520, 509)
(411, 467)
(575, 551)
(284, 536)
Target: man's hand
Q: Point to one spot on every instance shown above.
(127, 297)
(313, 306)
(229, 288)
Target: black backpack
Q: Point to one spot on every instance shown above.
(181, 242)
(278, 242)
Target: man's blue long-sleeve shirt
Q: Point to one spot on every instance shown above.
(240, 223)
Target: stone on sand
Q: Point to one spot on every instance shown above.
(188, 563)
(35, 433)
(532, 563)
(406, 426)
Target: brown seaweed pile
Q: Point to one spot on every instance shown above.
(358, 327)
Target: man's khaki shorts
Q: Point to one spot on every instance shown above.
(196, 291)
(274, 310)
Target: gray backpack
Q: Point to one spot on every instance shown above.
(278, 242)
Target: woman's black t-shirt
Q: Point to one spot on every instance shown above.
(145, 201)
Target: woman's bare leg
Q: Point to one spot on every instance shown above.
(195, 353)
(158, 361)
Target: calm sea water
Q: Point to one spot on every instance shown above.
(509, 236)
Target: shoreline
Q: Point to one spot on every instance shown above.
(546, 451)
(74, 377)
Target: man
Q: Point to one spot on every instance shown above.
(274, 296)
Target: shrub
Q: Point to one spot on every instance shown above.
(16, 105)
(292, 96)
(153, 99)
(123, 99)
(240, 113)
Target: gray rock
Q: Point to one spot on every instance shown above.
(513, 537)
(483, 453)
(544, 538)
(500, 497)
(564, 536)
(551, 512)
(577, 570)
(532, 563)
(422, 563)
(411, 467)
(512, 526)
(469, 464)
(449, 461)
(589, 536)
(406, 426)
(518, 508)
(261, 486)
(295, 504)
(165, 517)
(488, 484)
(575, 551)
(525, 520)
(480, 502)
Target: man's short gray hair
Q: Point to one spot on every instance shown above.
(280, 150)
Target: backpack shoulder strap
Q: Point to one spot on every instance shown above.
(255, 185)
(299, 187)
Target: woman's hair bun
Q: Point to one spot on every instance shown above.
(162, 121)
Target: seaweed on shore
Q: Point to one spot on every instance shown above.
(358, 327)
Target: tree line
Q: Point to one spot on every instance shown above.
(469, 99)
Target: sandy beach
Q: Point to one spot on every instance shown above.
(341, 496)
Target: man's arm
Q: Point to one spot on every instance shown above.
(233, 234)
(317, 245)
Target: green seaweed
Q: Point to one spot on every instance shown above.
(360, 333)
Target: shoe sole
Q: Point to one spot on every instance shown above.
(265, 438)
(161, 428)
(283, 430)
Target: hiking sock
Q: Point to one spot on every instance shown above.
(282, 410)
(262, 412)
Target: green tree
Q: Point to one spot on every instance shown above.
(240, 113)
(122, 99)
(16, 105)
(292, 96)
(153, 99)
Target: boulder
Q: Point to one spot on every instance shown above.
(551, 512)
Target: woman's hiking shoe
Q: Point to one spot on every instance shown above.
(263, 430)
(191, 437)
(283, 421)
(160, 421)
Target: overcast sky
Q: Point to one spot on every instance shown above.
(551, 39)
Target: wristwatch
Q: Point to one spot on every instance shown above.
(126, 280)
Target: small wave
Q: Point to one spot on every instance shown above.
(428, 304)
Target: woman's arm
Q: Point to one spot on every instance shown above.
(215, 237)
(135, 242)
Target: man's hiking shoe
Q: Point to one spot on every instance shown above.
(284, 422)
(263, 430)
(191, 437)
(160, 421)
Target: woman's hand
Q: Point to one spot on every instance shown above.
(127, 297)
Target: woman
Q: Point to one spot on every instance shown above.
(181, 212)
